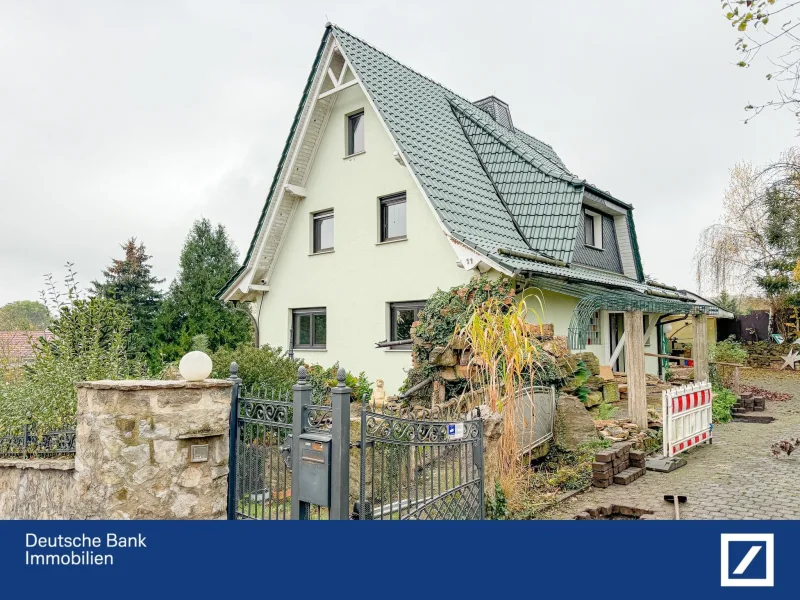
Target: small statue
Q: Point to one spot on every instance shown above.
(378, 394)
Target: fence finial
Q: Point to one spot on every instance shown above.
(341, 375)
(302, 375)
(234, 370)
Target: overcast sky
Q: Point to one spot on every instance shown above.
(122, 119)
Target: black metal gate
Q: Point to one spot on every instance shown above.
(260, 454)
(416, 468)
(413, 463)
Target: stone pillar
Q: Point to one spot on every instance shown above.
(634, 368)
(700, 347)
(153, 449)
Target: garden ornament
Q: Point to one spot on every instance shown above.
(790, 359)
(378, 394)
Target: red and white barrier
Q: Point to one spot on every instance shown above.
(686, 412)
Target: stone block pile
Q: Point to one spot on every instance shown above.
(749, 402)
(617, 465)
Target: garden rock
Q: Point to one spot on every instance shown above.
(574, 425)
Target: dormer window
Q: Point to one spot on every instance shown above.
(593, 230)
(355, 133)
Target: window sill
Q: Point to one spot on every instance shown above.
(296, 349)
(321, 252)
(402, 239)
(354, 155)
(598, 248)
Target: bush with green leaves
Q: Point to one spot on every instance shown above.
(722, 405)
(728, 351)
(322, 380)
(88, 344)
(268, 367)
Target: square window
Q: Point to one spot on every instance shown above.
(323, 231)
(309, 328)
(402, 315)
(393, 217)
(355, 133)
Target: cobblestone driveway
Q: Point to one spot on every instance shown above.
(736, 477)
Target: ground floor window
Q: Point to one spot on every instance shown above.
(594, 330)
(401, 316)
(309, 327)
(645, 325)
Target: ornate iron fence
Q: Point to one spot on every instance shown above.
(261, 446)
(33, 442)
(416, 468)
(290, 458)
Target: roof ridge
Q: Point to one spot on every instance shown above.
(433, 81)
(392, 58)
(496, 129)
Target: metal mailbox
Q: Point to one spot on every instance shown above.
(315, 468)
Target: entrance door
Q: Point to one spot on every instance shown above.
(616, 327)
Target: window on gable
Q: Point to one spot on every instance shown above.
(401, 316)
(393, 217)
(309, 328)
(323, 231)
(593, 230)
(355, 133)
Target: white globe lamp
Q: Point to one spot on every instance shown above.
(667, 328)
(195, 366)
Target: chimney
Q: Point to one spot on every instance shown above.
(497, 109)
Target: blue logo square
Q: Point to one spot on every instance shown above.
(747, 560)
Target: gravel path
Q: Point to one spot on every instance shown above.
(736, 477)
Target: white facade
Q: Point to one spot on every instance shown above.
(356, 282)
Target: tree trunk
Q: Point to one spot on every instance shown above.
(634, 368)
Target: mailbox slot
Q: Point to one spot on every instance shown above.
(315, 468)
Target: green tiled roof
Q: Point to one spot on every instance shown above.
(493, 187)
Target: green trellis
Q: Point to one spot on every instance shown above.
(593, 298)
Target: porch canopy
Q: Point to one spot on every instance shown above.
(592, 298)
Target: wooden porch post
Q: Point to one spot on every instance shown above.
(634, 368)
(700, 348)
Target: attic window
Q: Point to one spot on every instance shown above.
(355, 133)
(593, 230)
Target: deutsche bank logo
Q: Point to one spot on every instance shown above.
(748, 559)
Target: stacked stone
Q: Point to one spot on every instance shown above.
(749, 403)
(614, 466)
(759, 403)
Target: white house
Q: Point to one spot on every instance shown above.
(391, 186)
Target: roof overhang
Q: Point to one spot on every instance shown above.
(592, 298)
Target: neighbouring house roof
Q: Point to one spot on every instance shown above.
(492, 186)
(17, 346)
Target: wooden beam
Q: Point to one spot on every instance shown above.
(295, 190)
(634, 369)
(334, 79)
(618, 349)
(700, 348)
(335, 90)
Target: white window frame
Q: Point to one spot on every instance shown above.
(597, 224)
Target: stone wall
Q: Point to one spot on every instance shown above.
(37, 489)
(133, 458)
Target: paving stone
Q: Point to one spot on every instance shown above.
(736, 477)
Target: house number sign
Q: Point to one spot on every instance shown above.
(200, 453)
